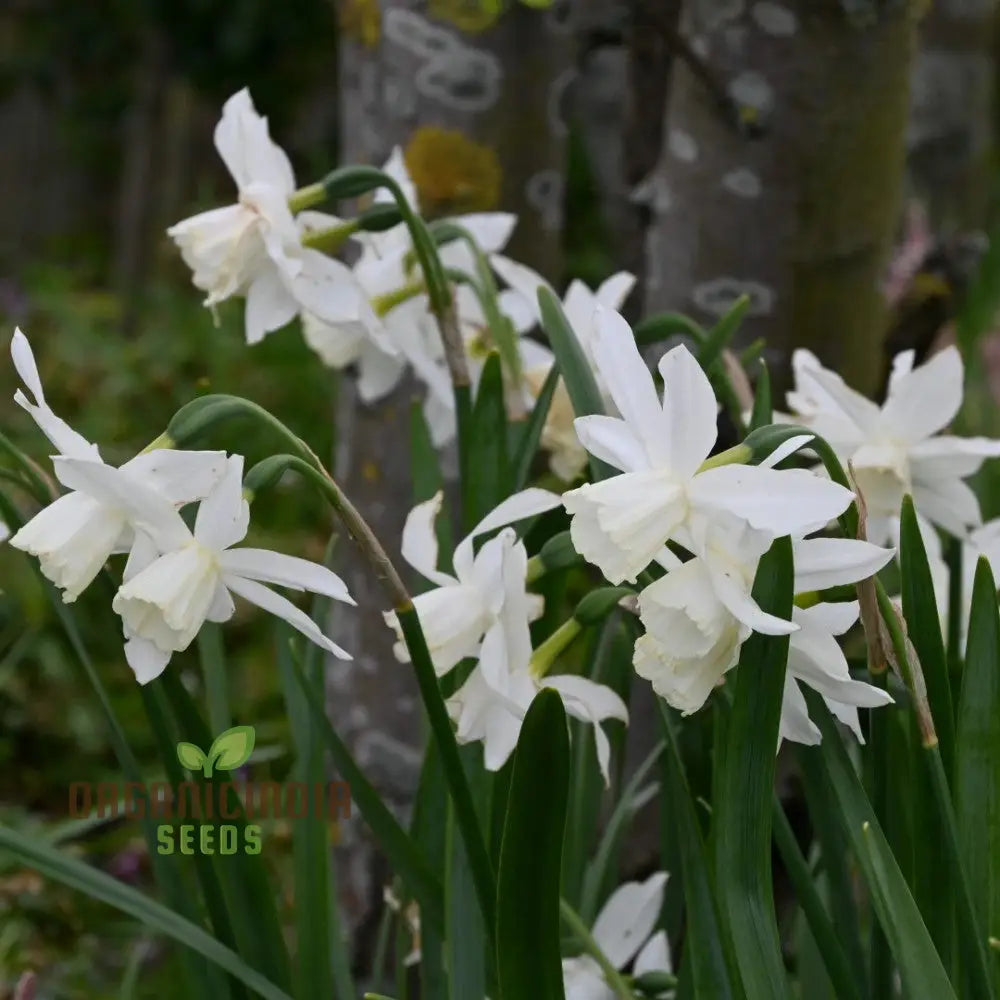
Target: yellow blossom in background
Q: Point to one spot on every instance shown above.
(452, 173)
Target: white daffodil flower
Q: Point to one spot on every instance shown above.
(622, 928)
(393, 326)
(695, 628)
(176, 579)
(567, 456)
(254, 248)
(74, 536)
(896, 448)
(491, 705)
(457, 613)
(622, 523)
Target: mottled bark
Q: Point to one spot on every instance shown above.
(478, 105)
(950, 132)
(799, 217)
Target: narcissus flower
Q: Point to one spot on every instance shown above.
(74, 536)
(457, 613)
(622, 523)
(897, 448)
(176, 579)
(622, 928)
(491, 705)
(254, 248)
(695, 628)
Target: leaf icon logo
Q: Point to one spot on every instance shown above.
(229, 750)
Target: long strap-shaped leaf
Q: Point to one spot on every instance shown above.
(98, 885)
(920, 967)
(527, 936)
(977, 772)
(742, 810)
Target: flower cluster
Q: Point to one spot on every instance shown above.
(175, 578)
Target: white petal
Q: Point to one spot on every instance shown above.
(147, 662)
(286, 571)
(832, 562)
(527, 503)
(420, 545)
(926, 399)
(269, 306)
(783, 502)
(325, 287)
(628, 917)
(181, 476)
(902, 365)
(147, 509)
(224, 516)
(733, 593)
(244, 143)
(491, 230)
(654, 957)
(613, 441)
(222, 607)
(521, 279)
(834, 617)
(795, 724)
(621, 524)
(378, 373)
(946, 456)
(613, 291)
(66, 440)
(948, 503)
(832, 395)
(586, 699)
(691, 408)
(630, 384)
(275, 604)
(792, 445)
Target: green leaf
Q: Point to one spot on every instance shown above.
(919, 964)
(722, 333)
(977, 772)
(232, 748)
(703, 950)
(662, 326)
(190, 756)
(485, 485)
(599, 603)
(742, 809)
(155, 916)
(527, 933)
(464, 940)
(574, 366)
(923, 625)
(529, 436)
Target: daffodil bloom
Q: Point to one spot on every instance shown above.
(622, 928)
(491, 705)
(456, 614)
(254, 248)
(897, 448)
(622, 523)
(695, 628)
(74, 536)
(567, 456)
(176, 579)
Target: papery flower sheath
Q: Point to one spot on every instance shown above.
(491, 705)
(456, 614)
(898, 447)
(176, 579)
(254, 248)
(622, 523)
(74, 536)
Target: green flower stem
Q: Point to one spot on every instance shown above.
(314, 194)
(545, 655)
(614, 979)
(331, 240)
(738, 455)
(971, 937)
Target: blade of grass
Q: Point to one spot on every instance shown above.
(97, 885)
(213, 667)
(977, 774)
(529, 436)
(742, 812)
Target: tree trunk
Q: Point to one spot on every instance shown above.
(950, 134)
(798, 209)
(477, 102)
